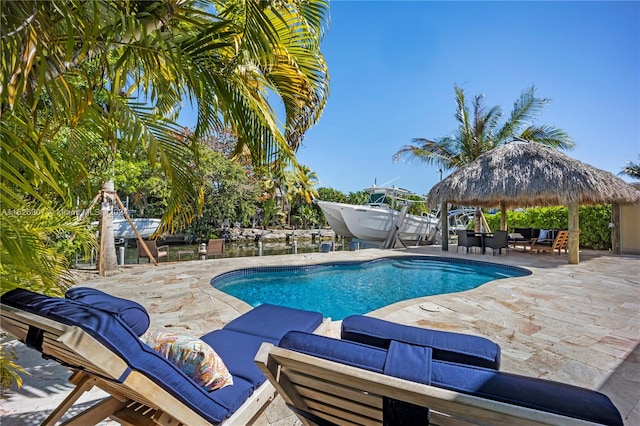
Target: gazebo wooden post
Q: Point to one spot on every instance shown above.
(503, 215)
(574, 234)
(615, 228)
(444, 226)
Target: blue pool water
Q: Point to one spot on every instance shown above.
(345, 288)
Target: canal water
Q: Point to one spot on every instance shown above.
(190, 251)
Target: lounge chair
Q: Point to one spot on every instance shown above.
(559, 242)
(467, 239)
(523, 237)
(158, 252)
(329, 381)
(96, 335)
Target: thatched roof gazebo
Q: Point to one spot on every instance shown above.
(529, 174)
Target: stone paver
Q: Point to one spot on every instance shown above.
(578, 324)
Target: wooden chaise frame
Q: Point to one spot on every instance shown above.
(347, 395)
(561, 242)
(136, 401)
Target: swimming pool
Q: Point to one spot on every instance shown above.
(345, 288)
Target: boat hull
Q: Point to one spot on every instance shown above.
(333, 213)
(145, 227)
(373, 223)
(415, 227)
(369, 223)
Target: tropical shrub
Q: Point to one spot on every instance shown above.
(594, 227)
(9, 370)
(359, 197)
(595, 233)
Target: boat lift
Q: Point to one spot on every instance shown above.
(456, 220)
(393, 234)
(392, 238)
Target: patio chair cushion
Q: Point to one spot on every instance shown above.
(447, 346)
(132, 313)
(545, 234)
(193, 356)
(544, 395)
(527, 233)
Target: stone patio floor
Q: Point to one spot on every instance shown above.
(578, 324)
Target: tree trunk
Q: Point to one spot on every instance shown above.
(107, 259)
(477, 218)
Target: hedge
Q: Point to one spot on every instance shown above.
(595, 233)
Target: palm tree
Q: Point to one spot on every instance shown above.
(479, 131)
(631, 169)
(122, 69)
(302, 183)
(300, 188)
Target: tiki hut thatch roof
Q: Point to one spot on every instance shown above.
(529, 174)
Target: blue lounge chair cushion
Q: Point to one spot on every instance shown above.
(447, 346)
(132, 313)
(111, 331)
(238, 350)
(544, 395)
(238, 341)
(342, 351)
(274, 321)
(232, 397)
(409, 362)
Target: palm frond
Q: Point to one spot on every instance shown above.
(9, 370)
(549, 136)
(426, 151)
(30, 258)
(462, 112)
(631, 169)
(525, 109)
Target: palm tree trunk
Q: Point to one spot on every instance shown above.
(477, 217)
(107, 260)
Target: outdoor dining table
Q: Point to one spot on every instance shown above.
(482, 236)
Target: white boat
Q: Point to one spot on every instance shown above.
(376, 221)
(460, 218)
(122, 229)
(145, 226)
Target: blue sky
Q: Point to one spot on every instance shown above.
(393, 65)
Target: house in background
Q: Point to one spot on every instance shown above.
(629, 229)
